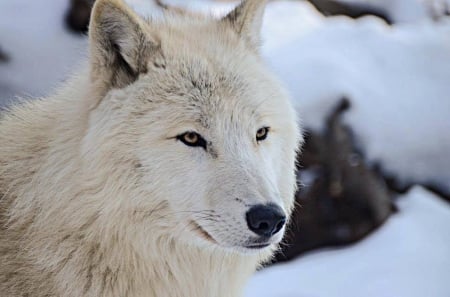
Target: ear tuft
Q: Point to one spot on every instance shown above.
(246, 21)
(120, 44)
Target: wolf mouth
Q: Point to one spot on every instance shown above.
(202, 232)
(258, 246)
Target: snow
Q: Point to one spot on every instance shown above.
(42, 52)
(408, 257)
(398, 80)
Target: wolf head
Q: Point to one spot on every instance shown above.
(207, 134)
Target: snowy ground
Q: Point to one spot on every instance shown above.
(398, 79)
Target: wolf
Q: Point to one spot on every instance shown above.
(164, 167)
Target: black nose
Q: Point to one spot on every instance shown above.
(265, 220)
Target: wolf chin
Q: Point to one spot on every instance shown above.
(165, 167)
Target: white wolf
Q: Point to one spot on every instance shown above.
(166, 168)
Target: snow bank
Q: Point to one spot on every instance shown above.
(408, 257)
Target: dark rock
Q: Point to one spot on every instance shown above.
(78, 15)
(342, 199)
(3, 56)
(353, 10)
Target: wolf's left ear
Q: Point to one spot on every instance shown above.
(120, 44)
(246, 21)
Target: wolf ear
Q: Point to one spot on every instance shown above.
(246, 21)
(120, 44)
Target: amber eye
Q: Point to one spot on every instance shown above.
(191, 138)
(261, 134)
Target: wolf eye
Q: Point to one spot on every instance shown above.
(261, 134)
(192, 139)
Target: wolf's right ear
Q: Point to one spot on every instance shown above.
(246, 20)
(121, 44)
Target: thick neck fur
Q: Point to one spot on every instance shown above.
(66, 226)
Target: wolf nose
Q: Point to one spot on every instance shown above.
(265, 220)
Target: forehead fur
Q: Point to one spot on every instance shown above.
(205, 35)
(205, 88)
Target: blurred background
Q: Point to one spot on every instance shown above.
(370, 80)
